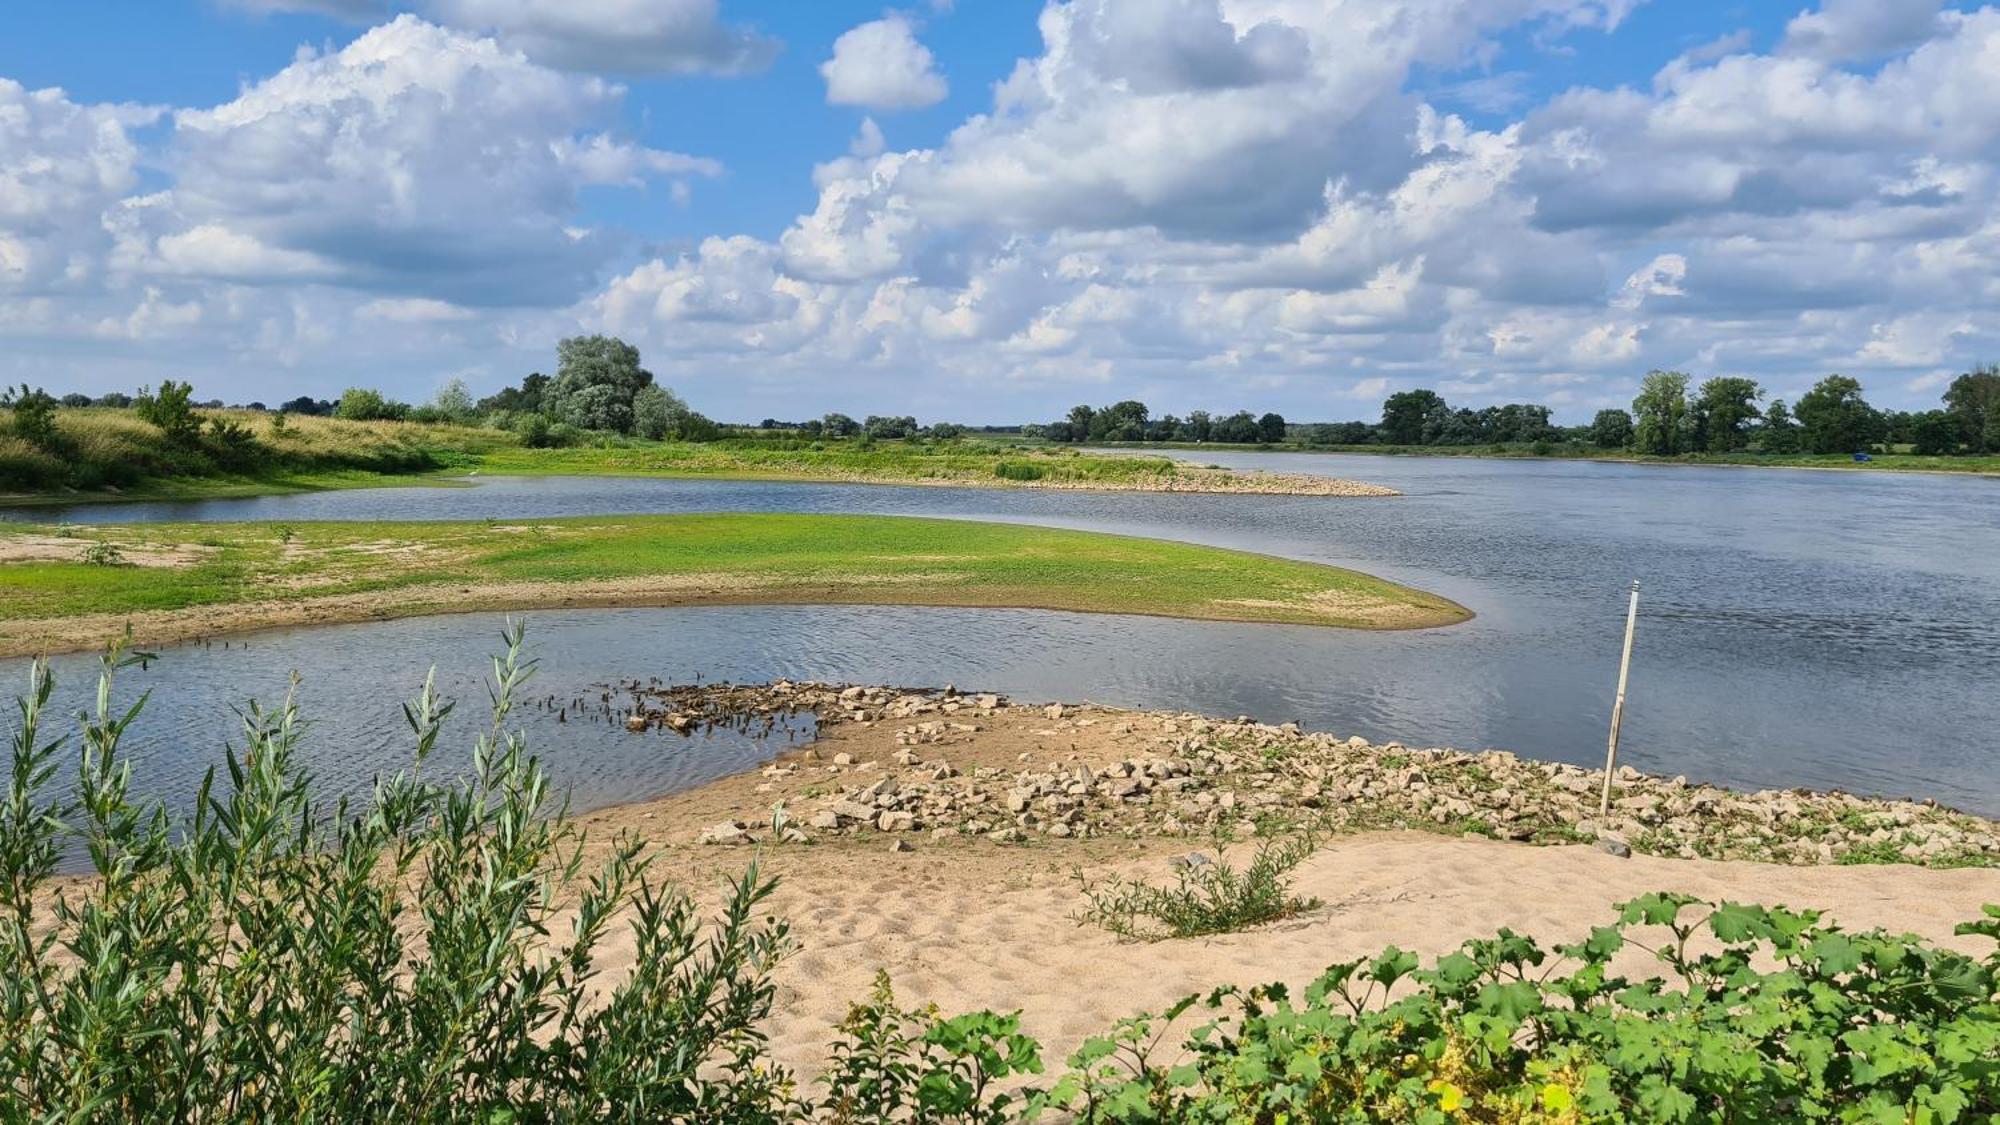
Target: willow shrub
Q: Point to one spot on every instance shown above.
(267, 959)
(428, 957)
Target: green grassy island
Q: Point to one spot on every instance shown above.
(67, 588)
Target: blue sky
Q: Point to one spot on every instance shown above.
(793, 208)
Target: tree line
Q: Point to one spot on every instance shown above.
(1672, 415)
(1132, 421)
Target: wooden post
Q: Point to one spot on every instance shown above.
(1618, 705)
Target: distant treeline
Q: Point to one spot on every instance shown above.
(1131, 421)
(1670, 416)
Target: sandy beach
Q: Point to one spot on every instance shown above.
(966, 921)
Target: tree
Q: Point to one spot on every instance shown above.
(1237, 429)
(1973, 401)
(1198, 427)
(1340, 433)
(453, 402)
(596, 380)
(115, 399)
(1271, 428)
(1412, 417)
(654, 412)
(363, 404)
(1121, 421)
(1723, 410)
(171, 411)
(884, 428)
(74, 399)
(1660, 413)
(1935, 432)
(840, 425)
(1779, 433)
(1079, 422)
(34, 415)
(1836, 419)
(1611, 429)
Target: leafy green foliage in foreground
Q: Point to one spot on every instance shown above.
(267, 959)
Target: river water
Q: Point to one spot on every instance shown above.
(1797, 628)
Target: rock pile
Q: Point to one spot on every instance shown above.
(1200, 776)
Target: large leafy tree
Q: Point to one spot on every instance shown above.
(1660, 414)
(1779, 433)
(1413, 417)
(596, 379)
(1611, 429)
(1836, 419)
(1723, 410)
(1973, 401)
(1121, 421)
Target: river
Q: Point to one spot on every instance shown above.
(1797, 628)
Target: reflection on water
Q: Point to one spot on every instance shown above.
(1797, 628)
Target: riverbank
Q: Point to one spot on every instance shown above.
(102, 455)
(943, 838)
(1970, 465)
(68, 589)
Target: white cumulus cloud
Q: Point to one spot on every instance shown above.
(881, 65)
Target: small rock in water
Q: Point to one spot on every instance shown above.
(1612, 845)
(636, 723)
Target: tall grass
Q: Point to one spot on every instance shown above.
(99, 448)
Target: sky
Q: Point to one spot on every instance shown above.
(990, 210)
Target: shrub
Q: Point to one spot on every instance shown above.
(890, 1064)
(233, 445)
(171, 411)
(1207, 897)
(102, 552)
(1017, 470)
(34, 416)
(360, 404)
(268, 959)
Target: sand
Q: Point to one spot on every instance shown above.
(972, 923)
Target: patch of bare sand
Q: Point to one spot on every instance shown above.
(971, 923)
(1345, 606)
(56, 548)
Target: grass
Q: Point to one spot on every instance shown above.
(102, 453)
(1206, 898)
(952, 462)
(198, 579)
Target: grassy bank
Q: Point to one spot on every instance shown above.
(104, 454)
(64, 588)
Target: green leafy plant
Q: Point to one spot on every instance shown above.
(103, 552)
(267, 959)
(897, 1065)
(1207, 897)
(1844, 1027)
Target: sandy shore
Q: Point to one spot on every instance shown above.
(967, 921)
